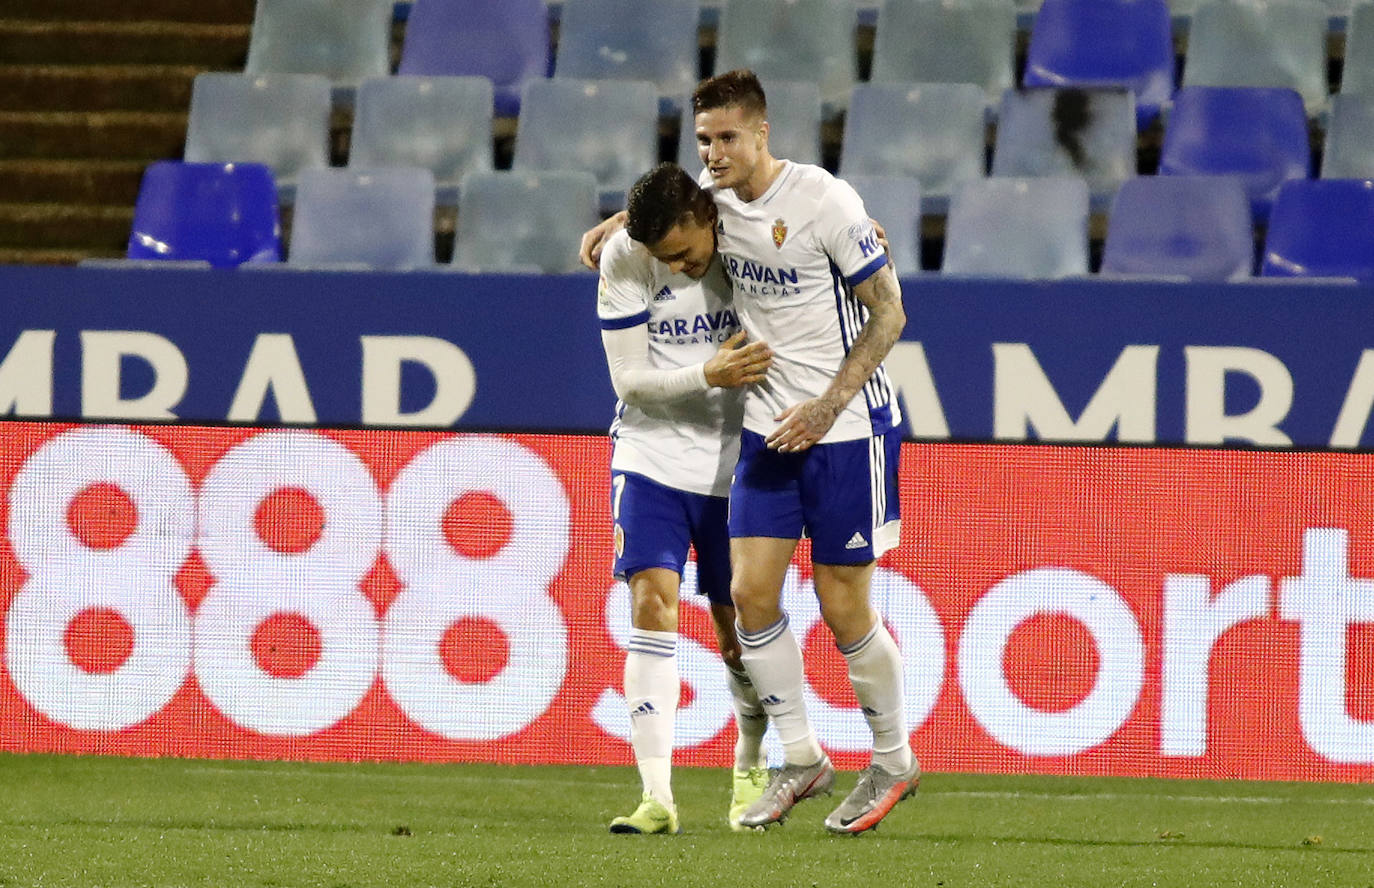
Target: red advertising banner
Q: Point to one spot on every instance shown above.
(234, 592)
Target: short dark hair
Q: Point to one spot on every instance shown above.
(738, 87)
(662, 198)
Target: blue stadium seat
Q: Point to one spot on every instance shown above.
(1357, 69)
(1349, 149)
(1062, 132)
(1027, 228)
(442, 124)
(1192, 227)
(281, 120)
(344, 40)
(222, 213)
(895, 202)
(506, 42)
(608, 128)
(1321, 228)
(379, 219)
(1098, 43)
(1274, 43)
(654, 40)
(524, 222)
(934, 132)
(1258, 134)
(794, 125)
(928, 41)
(793, 40)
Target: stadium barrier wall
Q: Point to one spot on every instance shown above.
(1082, 361)
(442, 596)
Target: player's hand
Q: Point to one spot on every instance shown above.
(593, 239)
(738, 362)
(802, 425)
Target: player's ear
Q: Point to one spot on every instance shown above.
(763, 134)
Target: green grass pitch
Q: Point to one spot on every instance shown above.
(90, 821)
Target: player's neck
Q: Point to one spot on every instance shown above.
(764, 175)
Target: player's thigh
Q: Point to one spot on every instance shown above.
(653, 599)
(850, 501)
(759, 566)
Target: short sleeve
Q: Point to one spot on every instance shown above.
(622, 295)
(846, 233)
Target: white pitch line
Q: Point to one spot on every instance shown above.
(1123, 797)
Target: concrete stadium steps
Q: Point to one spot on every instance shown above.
(43, 180)
(221, 11)
(125, 43)
(104, 135)
(65, 226)
(97, 87)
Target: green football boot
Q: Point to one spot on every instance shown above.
(652, 816)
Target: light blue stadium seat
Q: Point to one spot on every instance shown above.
(1321, 228)
(895, 201)
(1349, 149)
(608, 128)
(792, 40)
(224, 214)
(1060, 132)
(344, 40)
(1099, 43)
(934, 132)
(524, 222)
(1192, 227)
(507, 42)
(281, 120)
(654, 40)
(442, 124)
(1271, 43)
(1257, 134)
(930, 41)
(1357, 70)
(380, 219)
(794, 125)
(1028, 228)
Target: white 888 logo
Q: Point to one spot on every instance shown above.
(317, 583)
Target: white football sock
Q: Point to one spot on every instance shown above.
(651, 693)
(750, 719)
(774, 661)
(875, 672)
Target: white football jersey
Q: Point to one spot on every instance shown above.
(794, 255)
(690, 443)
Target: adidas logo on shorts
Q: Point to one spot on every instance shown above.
(857, 541)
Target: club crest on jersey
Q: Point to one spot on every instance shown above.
(619, 538)
(779, 233)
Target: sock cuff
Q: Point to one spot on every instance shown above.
(655, 644)
(853, 650)
(763, 636)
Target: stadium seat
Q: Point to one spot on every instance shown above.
(1321, 228)
(221, 213)
(344, 40)
(928, 41)
(523, 222)
(654, 40)
(931, 131)
(1258, 134)
(607, 127)
(1027, 228)
(1357, 70)
(281, 120)
(1100, 43)
(442, 124)
(1192, 227)
(1274, 43)
(1061, 132)
(794, 125)
(896, 203)
(380, 219)
(1349, 148)
(793, 40)
(506, 42)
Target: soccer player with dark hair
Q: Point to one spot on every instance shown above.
(679, 363)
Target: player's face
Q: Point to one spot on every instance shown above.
(687, 249)
(731, 142)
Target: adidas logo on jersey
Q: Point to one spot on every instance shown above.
(857, 541)
(664, 295)
(645, 708)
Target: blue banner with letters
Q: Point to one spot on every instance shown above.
(1286, 364)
